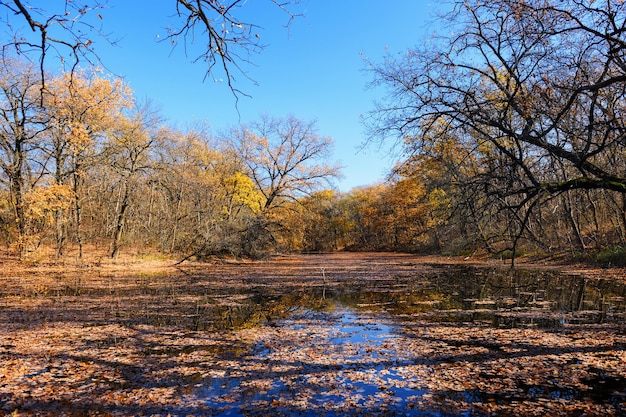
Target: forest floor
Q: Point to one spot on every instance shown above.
(312, 335)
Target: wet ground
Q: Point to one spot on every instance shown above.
(317, 335)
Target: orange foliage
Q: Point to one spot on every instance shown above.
(84, 105)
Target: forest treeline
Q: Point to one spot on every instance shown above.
(85, 166)
(511, 122)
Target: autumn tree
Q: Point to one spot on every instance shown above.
(286, 159)
(42, 203)
(537, 85)
(82, 108)
(22, 124)
(204, 198)
(463, 215)
(363, 208)
(315, 223)
(412, 211)
(127, 151)
(323, 223)
(178, 192)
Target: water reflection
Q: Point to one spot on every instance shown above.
(501, 298)
(352, 363)
(351, 346)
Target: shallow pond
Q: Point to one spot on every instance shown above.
(500, 297)
(317, 335)
(341, 361)
(454, 343)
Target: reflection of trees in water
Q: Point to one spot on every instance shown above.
(501, 297)
(452, 293)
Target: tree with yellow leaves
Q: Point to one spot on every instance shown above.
(42, 205)
(82, 108)
(241, 191)
(22, 128)
(127, 151)
(286, 159)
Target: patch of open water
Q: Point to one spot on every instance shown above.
(352, 356)
(352, 362)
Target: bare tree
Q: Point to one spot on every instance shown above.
(22, 122)
(229, 40)
(286, 159)
(67, 30)
(66, 33)
(535, 89)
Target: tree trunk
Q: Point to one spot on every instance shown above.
(119, 223)
(77, 211)
(17, 193)
(60, 233)
(569, 214)
(17, 190)
(60, 230)
(176, 218)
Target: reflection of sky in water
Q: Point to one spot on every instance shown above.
(358, 379)
(351, 329)
(347, 361)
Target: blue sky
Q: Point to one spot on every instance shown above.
(313, 70)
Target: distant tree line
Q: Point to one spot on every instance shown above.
(89, 168)
(84, 165)
(512, 122)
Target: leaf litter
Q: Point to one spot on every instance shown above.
(379, 334)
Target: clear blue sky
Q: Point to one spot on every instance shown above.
(313, 70)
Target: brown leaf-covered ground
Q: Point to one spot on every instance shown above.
(309, 335)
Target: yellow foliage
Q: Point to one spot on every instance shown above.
(439, 202)
(78, 134)
(244, 192)
(84, 105)
(325, 195)
(438, 198)
(42, 202)
(203, 156)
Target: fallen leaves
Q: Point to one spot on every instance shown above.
(148, 346)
